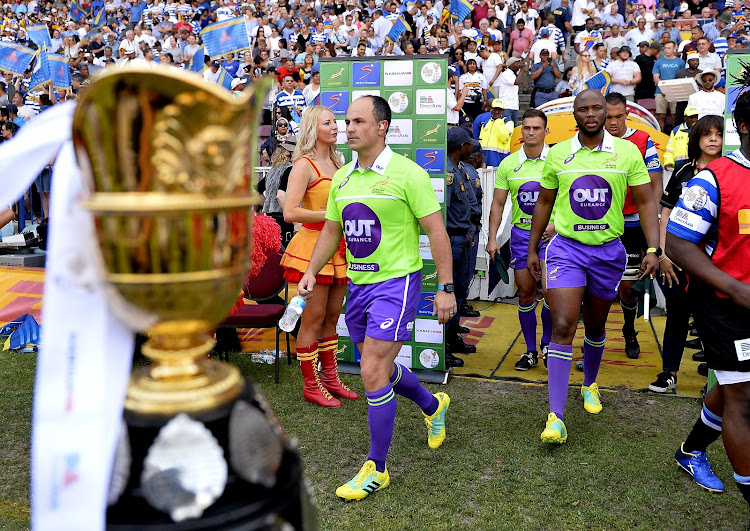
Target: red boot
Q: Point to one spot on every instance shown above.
(329, 368)
(313, 391)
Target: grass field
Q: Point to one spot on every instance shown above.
(615, 472)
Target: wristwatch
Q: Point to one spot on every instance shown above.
(448, 288)
(656, 250)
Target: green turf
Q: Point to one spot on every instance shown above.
(615, 472)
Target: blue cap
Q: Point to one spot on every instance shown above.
(544, 31)
(315, 68)
(452, 71)
(458, 136)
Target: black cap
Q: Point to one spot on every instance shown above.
(458, 136)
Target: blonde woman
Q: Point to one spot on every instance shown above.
(582, 71)
(316, 158)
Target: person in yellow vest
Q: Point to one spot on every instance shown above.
(677, 147)
(495, 135)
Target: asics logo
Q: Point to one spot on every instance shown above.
(385, 324)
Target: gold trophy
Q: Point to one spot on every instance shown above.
(168, 161)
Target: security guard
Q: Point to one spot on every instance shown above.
(470, 166)
(677, 147)
(459, 197)
(495, 135)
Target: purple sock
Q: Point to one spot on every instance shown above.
(559, 359)
(381, 413)
(406, 384)
(593, 349)
(527, 316)
(546, 324)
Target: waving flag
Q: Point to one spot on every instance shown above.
(460, 9)
(222, 38)
(15, 58)
(77, 12)
(197, 63)
(51, 68)
(399, 27)
(588, 42)
(600, 81)
(225, 79)
(41, 74)
(39, 33)
(99, 20)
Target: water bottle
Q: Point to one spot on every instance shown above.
(264, 356)
(292, 314)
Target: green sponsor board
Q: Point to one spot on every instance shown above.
(401, 102)
(334, 75)
(737, 67)
(415, 89)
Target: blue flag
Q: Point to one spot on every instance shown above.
(15, 58)
(197, 63)
(20, 332)
(460, 9)
(229, 36)
(39, 33)
(59, 67)
(77, 12)
(99, 20)
(41, 73)
(399, 27)
(600, 81)
(225, 79)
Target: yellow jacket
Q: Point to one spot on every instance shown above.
(495, 140)
(677, 147)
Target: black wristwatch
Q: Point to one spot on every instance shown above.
(448, 288)
(656, 250)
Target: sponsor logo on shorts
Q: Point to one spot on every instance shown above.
(362, 229)
(528, 193)
(553, 272)
(694, 197)
(590, 197)
(387, 323)
(410, 326)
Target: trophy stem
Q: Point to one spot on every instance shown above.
(181, 378)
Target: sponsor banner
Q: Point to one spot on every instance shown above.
(425, 251)
(431, 131)
(356, 94)
(438, 184)
(341, 135)
(366, 74)
(341, 328)
(345, 350)
(426, 304)
(404, 356)
(431, 101)
(432, 160)
(432, 73)
(429, 277)
(400, 132)
(428, 331)
(405, 151)
(334, 74)
(337, 101)
(428, 357)
(398, 73)
(400, 101)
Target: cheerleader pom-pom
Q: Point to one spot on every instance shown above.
(342, 248)
(265, 242)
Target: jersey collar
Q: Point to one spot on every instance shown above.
(380, 164)
(523, 158)
(739, 158)
(608, 144)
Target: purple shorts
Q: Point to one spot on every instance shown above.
(385, 310)
(519, 247)
(572, 264)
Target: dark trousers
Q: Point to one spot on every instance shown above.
(676, 328)
(460, 248)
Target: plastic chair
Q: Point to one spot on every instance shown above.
(265, 286)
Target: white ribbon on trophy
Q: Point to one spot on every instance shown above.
(85, 356)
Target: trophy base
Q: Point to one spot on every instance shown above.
(242, 505)
(181, 381)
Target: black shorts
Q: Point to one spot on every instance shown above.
(635, 245)
(720, 323)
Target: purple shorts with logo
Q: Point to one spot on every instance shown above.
(519, 247)
(384, 310)
(572, 264)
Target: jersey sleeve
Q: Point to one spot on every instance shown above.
(652, 158)
(420, 195)
(549, 175)
(697, 210)
(637, 172)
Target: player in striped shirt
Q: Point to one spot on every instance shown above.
(708, 236)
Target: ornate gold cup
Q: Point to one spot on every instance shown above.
(168, 160)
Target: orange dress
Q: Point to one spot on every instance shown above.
(298, 252)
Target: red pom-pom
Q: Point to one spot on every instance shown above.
(265, 242)
(342, 248)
